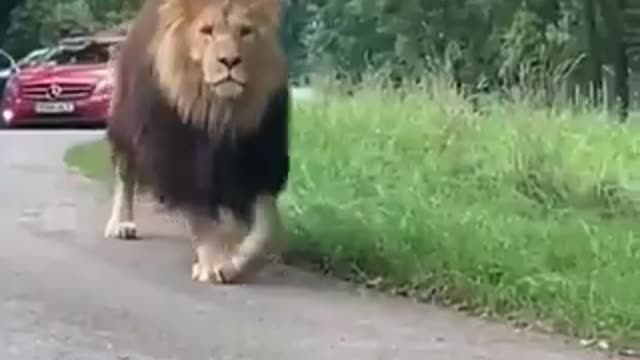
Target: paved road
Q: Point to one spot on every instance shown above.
(66, 293)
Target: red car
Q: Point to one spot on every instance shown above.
(70, 85)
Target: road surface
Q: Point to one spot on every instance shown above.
(67, 293)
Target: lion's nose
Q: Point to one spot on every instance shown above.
(230, 61)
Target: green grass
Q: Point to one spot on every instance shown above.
(91, 159)
(507, 209)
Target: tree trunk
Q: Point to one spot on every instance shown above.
(621, 68)
(612, 14)
(593, 50)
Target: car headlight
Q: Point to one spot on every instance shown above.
(104, 87)
(7, 115)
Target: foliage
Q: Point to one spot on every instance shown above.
(39, 23)
(487, 43)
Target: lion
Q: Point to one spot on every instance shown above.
(199, 118)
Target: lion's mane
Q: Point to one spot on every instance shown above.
(190, 150)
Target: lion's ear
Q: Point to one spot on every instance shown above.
(269, 9)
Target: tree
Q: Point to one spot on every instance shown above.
(6, 7)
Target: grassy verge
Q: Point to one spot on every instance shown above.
(503, 209)
(91, 159)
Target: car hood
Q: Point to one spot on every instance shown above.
(67, 73)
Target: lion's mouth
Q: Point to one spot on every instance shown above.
(228, 87)
(227, 79)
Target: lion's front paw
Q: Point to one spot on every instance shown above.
(204, 273)
(229, 272)
(225, 273)
(212, 264)
(208, 268)
(117, 229)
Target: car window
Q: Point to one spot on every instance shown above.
(91, 54)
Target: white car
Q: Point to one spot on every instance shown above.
(29, 59)
(4, 73)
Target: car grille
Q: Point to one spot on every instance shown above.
(62, 92)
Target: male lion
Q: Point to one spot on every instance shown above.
(200, 118)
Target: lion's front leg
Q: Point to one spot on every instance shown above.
(121, 223)
(213, 242)
(265, 228)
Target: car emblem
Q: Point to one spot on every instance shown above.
(54, 91)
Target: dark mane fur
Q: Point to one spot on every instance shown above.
(179, 163)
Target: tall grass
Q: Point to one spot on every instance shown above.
(500, 206)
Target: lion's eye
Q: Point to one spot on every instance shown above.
(206, 30)
(246, 31)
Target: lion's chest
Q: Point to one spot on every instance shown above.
(181, 162)
(185, 165)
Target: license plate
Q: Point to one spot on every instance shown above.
(54, 107)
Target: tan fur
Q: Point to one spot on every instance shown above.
(182, 58)
(121, 224)
(227, 250)
(213, 243)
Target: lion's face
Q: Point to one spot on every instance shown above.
(218, 58)
(223, 39)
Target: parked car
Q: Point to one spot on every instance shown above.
(69, 84)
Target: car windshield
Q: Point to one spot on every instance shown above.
(92, 53)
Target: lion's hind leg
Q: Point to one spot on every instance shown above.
(121, 223)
